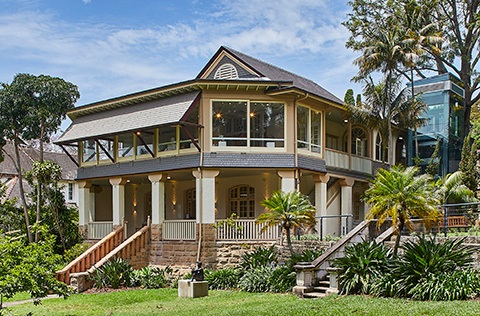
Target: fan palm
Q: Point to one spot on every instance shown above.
(290, 210)
(399, 194)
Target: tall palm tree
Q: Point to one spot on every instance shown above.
(383, 106)
(290, 210)
(399, 194)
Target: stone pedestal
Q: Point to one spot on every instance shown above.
(187, 288)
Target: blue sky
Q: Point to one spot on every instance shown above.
(115, 47)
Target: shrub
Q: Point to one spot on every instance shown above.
(257, 279)
(268, 279)
(362, 265)
(260, 256)
(222, 279)
(113, 273)
(152, 277)
(457, 285)
(425, 263)
(74, 252)
(307, 255)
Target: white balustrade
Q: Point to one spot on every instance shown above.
(362, 164)
(245, 230)
(98, 230)
(179, 230)
(336, 159)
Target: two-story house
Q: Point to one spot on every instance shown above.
(193, 153)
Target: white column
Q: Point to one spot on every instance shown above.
(205, 195)
(84, 202)
(288, 180)
(321, 181)
(347, 202)
(118, 200)
(158, 198)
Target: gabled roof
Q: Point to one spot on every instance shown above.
(261, 70)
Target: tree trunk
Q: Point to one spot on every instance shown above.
(39, 186)
(399, 235)
(289, 240)
(18, 167)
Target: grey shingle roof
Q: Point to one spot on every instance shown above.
(129, 118)
(278, 74)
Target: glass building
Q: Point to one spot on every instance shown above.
(444, 97)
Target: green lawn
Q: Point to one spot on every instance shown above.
(166, 302)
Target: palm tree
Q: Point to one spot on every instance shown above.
(383, 106)
(290, 210)
(399, 194)
(451, 189)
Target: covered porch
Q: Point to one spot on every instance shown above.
(181, 201)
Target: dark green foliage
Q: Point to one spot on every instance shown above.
(75, 251)
(434, 163)
(307, 255)
(468, 164)
(29, 268)
(152, 277)
(362, 265)
(456, 285)
(114, 273)
(223, 279)
(426, 260)
(268, 279)
(260, 256)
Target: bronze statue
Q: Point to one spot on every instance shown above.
(197, 272)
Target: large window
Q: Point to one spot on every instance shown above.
(309, 129)
(243, 123)
(267, 121)
(242, 201)
(359, 142)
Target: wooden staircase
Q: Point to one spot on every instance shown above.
(134, 249)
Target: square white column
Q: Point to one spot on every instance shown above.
(205, 195)
(118, 200)
(158, 198)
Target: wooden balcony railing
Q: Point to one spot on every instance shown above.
(245, 230)
(93, 255)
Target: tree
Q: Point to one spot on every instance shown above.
(451, 189)
(59, 219)
(399, 194)
(40, 104)
(29, 268)
(420, 24)
(468, 163)
(434, 163)
(384, 106)
(290, 210)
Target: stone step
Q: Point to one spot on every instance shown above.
(321, 289)
(314, 295)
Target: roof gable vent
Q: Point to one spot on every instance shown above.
(226, 71)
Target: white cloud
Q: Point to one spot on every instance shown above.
(109, 60)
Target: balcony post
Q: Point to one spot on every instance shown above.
(321, 181)
(84, 205)
(288, 180)
(347, 202)
(118, 200)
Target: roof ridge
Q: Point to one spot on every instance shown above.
(269, 64)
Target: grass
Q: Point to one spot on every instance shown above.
(18, 297)
(166, 302)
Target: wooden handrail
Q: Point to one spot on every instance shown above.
(92, 255)
(128, 249)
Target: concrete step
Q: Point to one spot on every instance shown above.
(321, 289)
(314, 295)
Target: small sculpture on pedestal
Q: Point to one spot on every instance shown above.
(197, 272)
